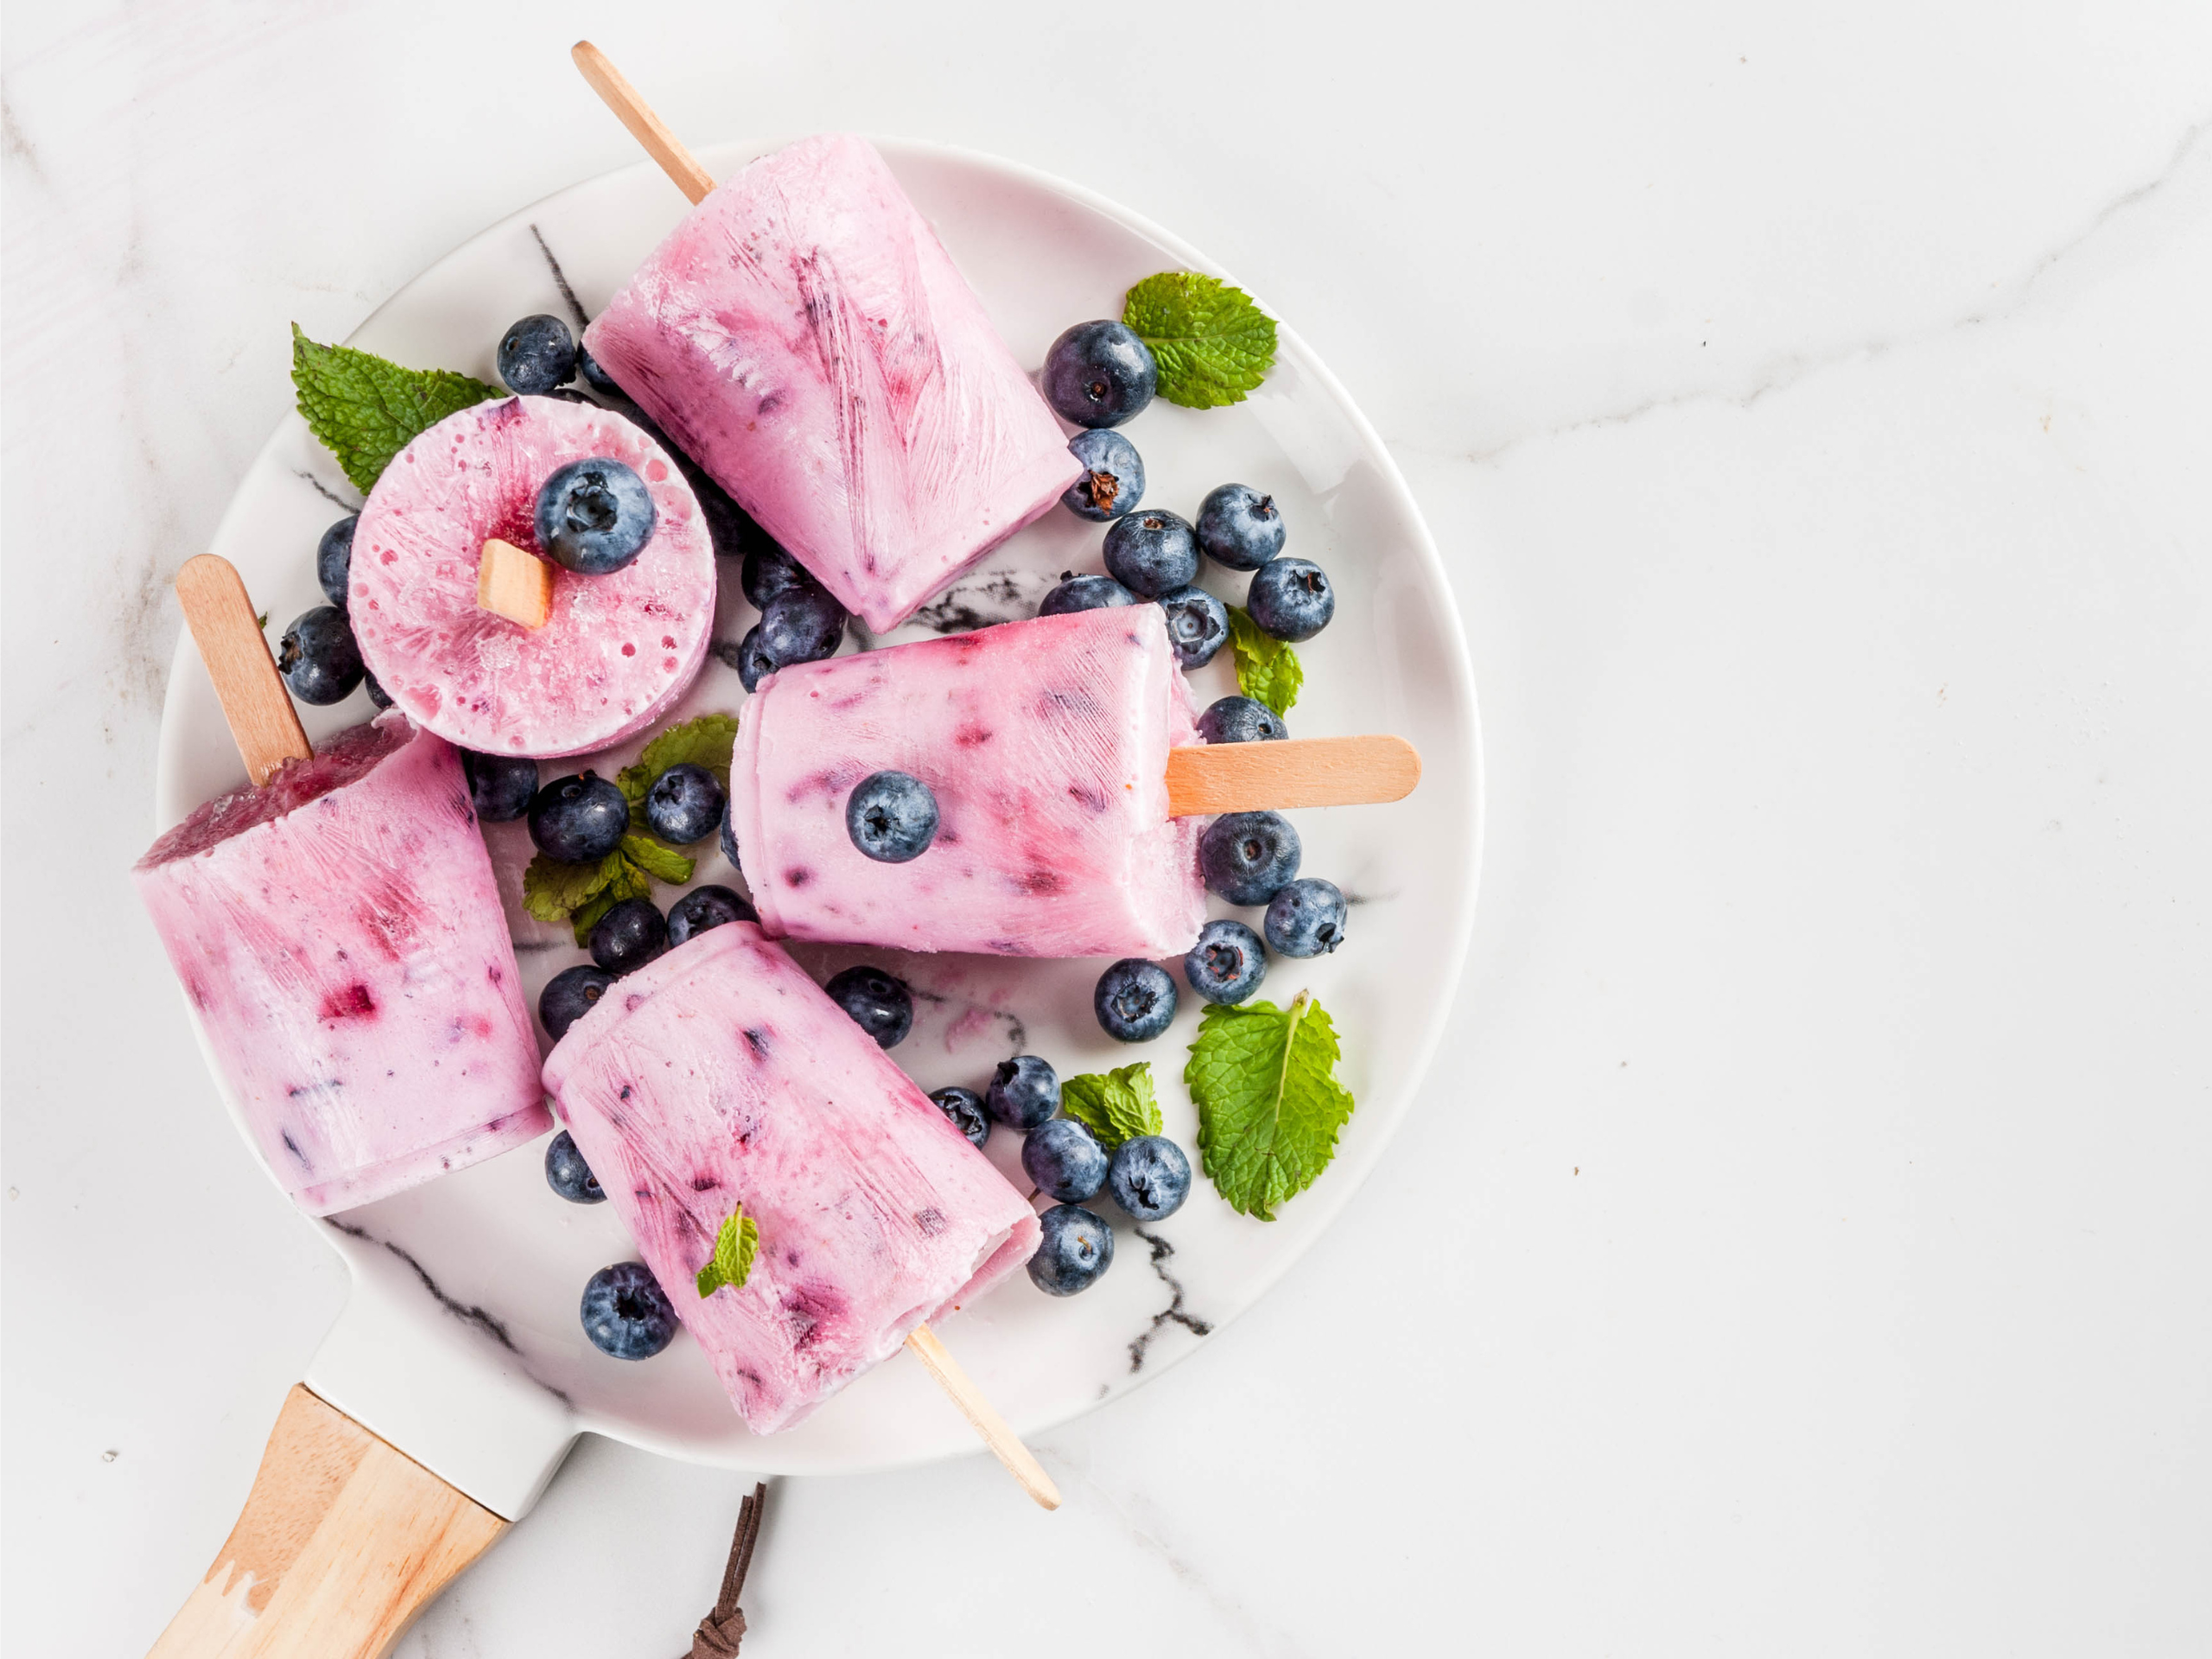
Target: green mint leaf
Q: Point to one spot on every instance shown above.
(732, 1261)
(552, 891)
(262, 621)
(365, 410)
(625, 879)
(1115, 1106)
(1267, 668)
(662, 863)
(1269, 1104)
(1212, 343)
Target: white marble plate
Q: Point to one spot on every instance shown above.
(493, 1248)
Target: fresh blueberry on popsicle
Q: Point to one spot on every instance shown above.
(685, 804)
(1025, 1091)
(1135, 1001)
(502, 786)
(1100, 374)
(1153, 552)
(1149, 1177)
(1227, 963)
(879, 1004)
(625, 1312)
(1076, 1249)
(1291, 599)
(1239, 527)
(318, 657)
(1197, 625)
(964, 1108)
(569, 995)
(1066, 1161)
(1113, 476)
(537, 354)
(628, 937)
(567, 1173)
(891, 817)
(705, 907)
(1090, 593)
(579, 819)
(594, 516)
(1306, 919)
(1249, 857)
(1240, 720)
(333, 558)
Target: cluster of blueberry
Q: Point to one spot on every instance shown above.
(1099, 375)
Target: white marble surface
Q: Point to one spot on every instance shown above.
(1800, 1246)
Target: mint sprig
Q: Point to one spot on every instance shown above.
(367, 409)
(1269, 1105)
(732, 1261)
(1268, 669)
(1115, 1106)
(1212, 343)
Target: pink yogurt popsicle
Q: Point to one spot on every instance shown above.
(1046, 743)
(721, 1075)
(618, 650)
(806, 338)
(339, 934)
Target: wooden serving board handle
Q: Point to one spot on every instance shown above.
(1290, 772)
(681, 166)
(264, 723)
(342, 1542)
(1020, 1462)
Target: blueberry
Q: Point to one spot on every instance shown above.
(1239, 527)
(1099, 374)
(1197, 625)
(769, 570)
(730, 836)
(891, 817)
(964, 1107)
(1240, 720)
(1306, 919)
(1249, 857)
(1149, 1177)
(1066, 1161)
(379, 697)
(594, 516)
(685, 804)
(537, 354)
(801, 624)
(706, 907)
(567, 1173)
(318, 657)
(1076, 1249)
(569, 995)
(579, 819)
(753, 663)
(1084, 594)
(1227, 963)
(1153, 552)
(627, 1313)
(1134, 1001)
(879, 1005)
(1025, 1091)
(594, 377)
(333, 558)
(501, 785)
(1113, 476)
(628, 937)
(1291, 599)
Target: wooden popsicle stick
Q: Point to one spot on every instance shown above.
(263, 721)
(1290, 772)
(663, 146)
(515, 584)
(1019, 1461)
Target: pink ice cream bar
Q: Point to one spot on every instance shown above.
(806, 338)
(721, 1075)
(616, 651)
(338, 933)
(1046, 743)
